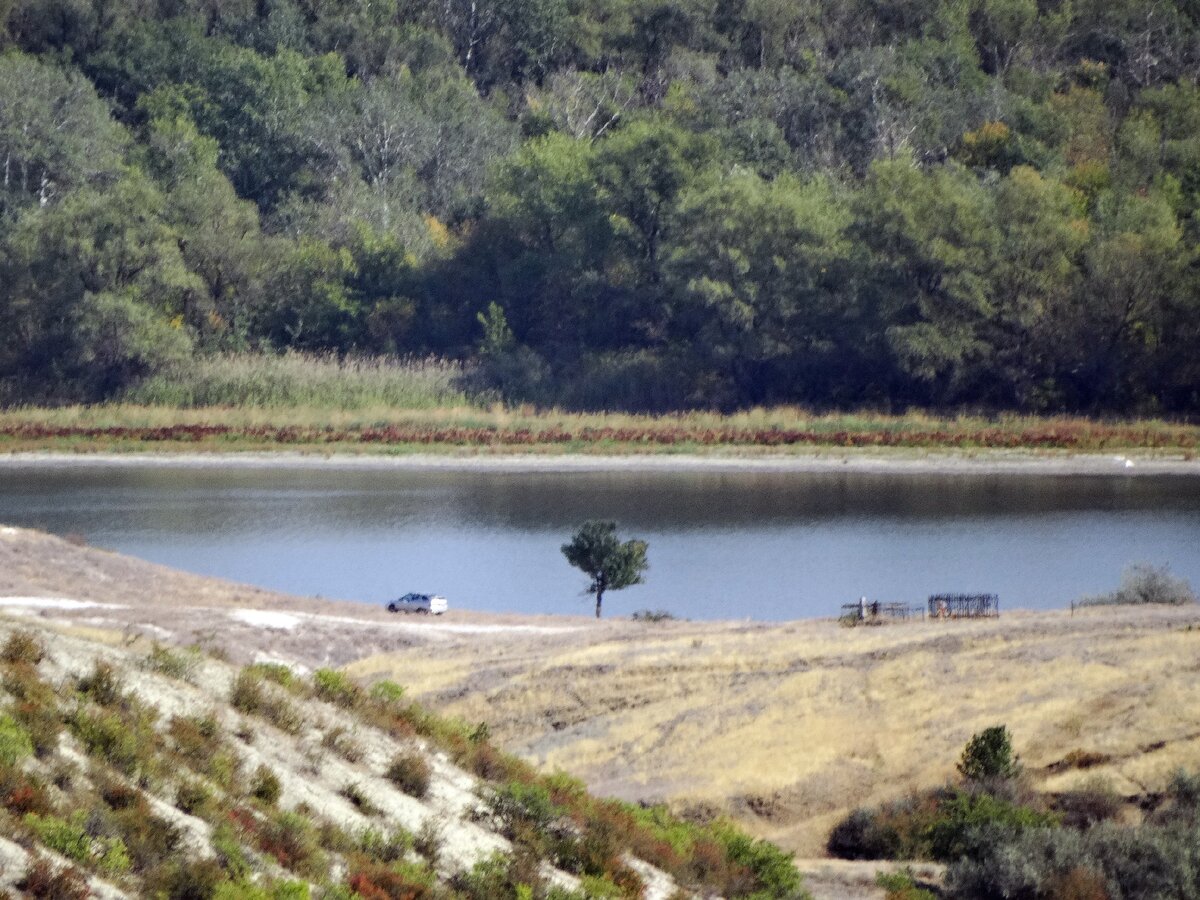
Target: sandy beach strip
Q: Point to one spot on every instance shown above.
(981, 462)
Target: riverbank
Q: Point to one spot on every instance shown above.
(770, 434)
(785, 726)
(873, 462)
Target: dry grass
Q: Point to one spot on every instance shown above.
(367, 423)
(791, 726)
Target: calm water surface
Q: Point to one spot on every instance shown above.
(722, 545)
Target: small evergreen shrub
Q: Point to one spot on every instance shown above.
(410, 772)
(249, 695)
(989, 755)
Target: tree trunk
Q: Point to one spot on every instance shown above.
(599, 599)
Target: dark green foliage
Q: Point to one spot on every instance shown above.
(596, 550)
(989, 756)
(666, 205)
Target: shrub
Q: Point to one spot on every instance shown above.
(966, 820)
(290, 838)
(335, 687)
(15, 743)
(193, 797)
(989, 755)
(265, 785)
(429, 840)
(384, 847)
(387, 693)
(1091, 803)
(102, 685)
(278, 673)
(773, 870)
(359, 799)
(411, 773)
(375, 881)
(1146, 583)
(517, 806)
(902, 886)
(653, 615)
(43, 880)
(106, 736)
(197, 739)
(500, 877)
(67, 837)
(250, 696)
(342, 742)
(23, 793)
(184, 879)
(178, 664)
(23, 647)
(864, 835)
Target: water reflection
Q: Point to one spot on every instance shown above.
(764, 545)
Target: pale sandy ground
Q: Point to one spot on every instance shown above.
(785, 726)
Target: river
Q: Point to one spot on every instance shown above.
(761, 545)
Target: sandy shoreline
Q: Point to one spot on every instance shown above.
(871, 462)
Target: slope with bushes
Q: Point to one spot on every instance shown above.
(173, 774)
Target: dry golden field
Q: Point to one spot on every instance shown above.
(790, 726)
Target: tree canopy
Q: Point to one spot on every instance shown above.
(991, 204)
(610, 563)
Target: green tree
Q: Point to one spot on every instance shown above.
(989, 755)
(596, 550)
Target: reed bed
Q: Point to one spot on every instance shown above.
(292, 380)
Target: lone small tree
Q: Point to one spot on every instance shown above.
(989, 755)
(599, 553)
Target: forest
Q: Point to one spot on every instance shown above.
(647, 205)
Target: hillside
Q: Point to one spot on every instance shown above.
(131, 769)
(784, 726)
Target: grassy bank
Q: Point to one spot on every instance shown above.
(323, 404)
(383, 429)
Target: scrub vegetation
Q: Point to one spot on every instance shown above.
(1002, 839)
(135, 776)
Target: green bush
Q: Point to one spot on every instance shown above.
(249, 695)
(518, 806)
(410, 772)
(989, 755)
(335, 687)
(15, 743)
(178, 664)
(68, 837)
(387, 693)
(773, 871)
(902, 886)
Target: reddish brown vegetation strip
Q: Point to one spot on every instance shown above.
(1083, 436)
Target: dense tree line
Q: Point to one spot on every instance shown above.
(648, 204)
